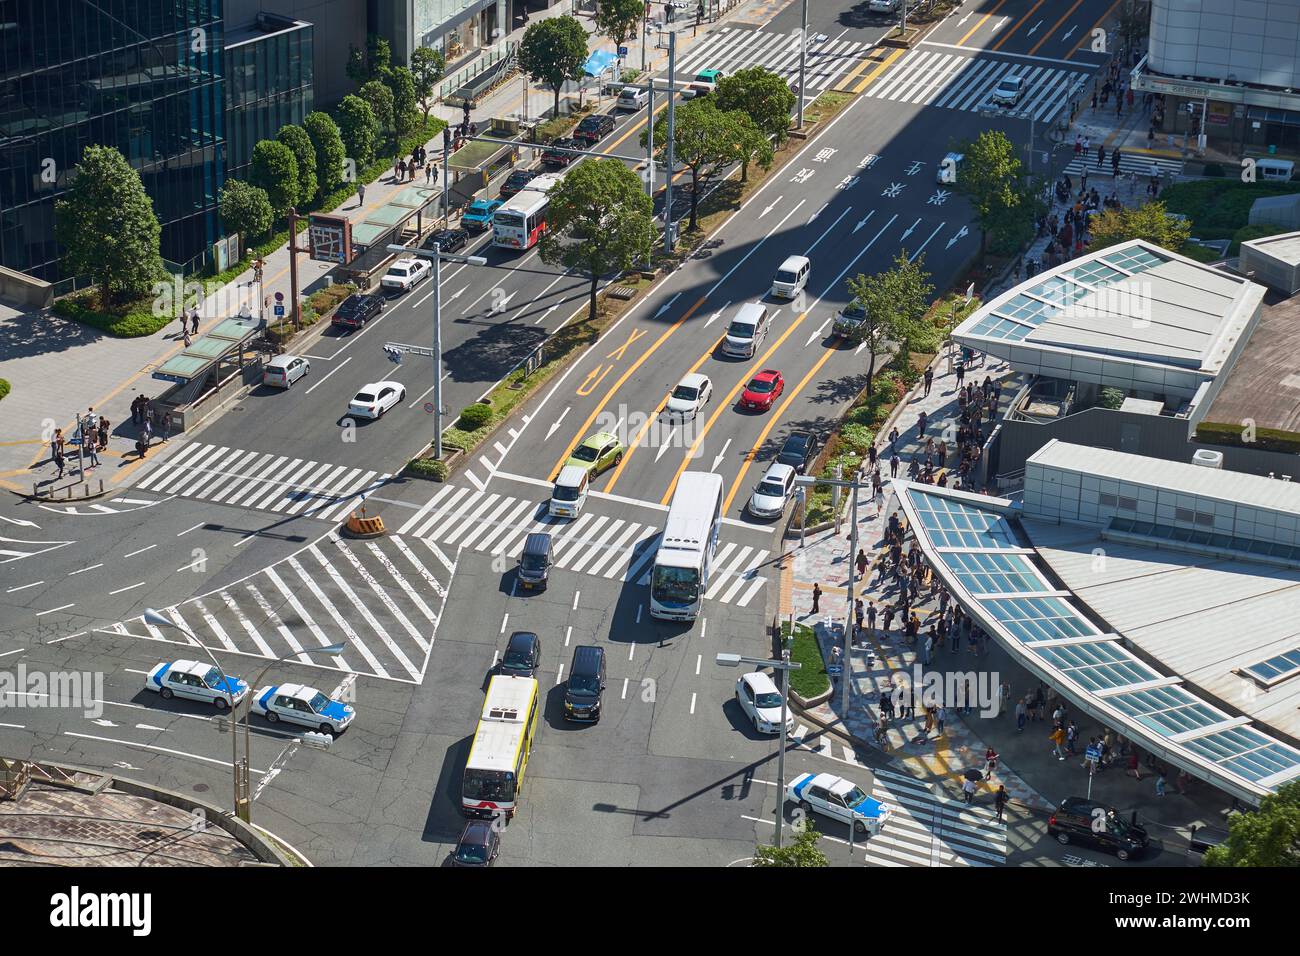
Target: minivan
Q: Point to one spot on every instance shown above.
(1275, 170)
(535, 561)
(791, 277)
(582, 693)
(746, 331)
(283, 370)
(569, 492)
(1096, 824)
(631, 98)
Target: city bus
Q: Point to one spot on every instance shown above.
(494, 770)
(685, 556)
(520, 221)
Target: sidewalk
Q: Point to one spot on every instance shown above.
(50, 359)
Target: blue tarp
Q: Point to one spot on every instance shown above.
(598, 63)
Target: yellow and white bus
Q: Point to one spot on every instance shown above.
(494, 771)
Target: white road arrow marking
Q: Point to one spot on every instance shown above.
(1070, 32)
(1033, 28)
(505, 301)
(817, 213)
(959, 234)
(910, 229)
(1001, 23)
(150, 727)
(20, 521)
(546, 313)
(863, 221)
(775, 202)
(817, 333)
(912, 258)
(457, 294)
(551, 431)
(103, 722)
(963, 20)
(861, 345)
(721, 455)
(667, 305)
(667, 443)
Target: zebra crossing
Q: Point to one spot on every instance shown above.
(381, 599)
(959, 82)
(262, 480)
(931, 830)
(730, 50)
(594, 544)
(1136, 164)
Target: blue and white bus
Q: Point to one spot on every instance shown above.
(685, 556)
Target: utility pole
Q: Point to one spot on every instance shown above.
(293, 268)
(803, 58)
(671, 161)
(437, 351)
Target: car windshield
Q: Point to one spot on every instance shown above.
(740, 330)
(532, 562)
(771, 489)
(785, 275)
(762, 385)
(768, 700)
(471, 853)
(565, 493)
(793, 448)
(586, 684)
(318, 703)
(364, 398)
(213, 677)
(585, 452)
(855, 796)
(494, 785)
(686, 393)
(675, 584)
(518, 656)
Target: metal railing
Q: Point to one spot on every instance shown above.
(462, 76)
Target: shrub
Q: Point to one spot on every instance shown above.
(135, 321)
(864, 415)
(474, 417)
(4, 388)
(857, 437)
(1111, 397)
(430, 468)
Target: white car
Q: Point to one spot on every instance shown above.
(838, 798)
(1008, 90)
(197, 681)
(690, 396)
(375, 399)
(631, 98)
(761, 701)
(772, 493)
(300, 704)
(283, 370)
(404, 274)
(883, 6)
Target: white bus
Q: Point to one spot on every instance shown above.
(685, 556)
(520, 221)
(494, 771)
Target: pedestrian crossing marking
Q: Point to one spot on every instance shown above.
(957, 81)
(730, 50)
(1136, 164)
(927, 829)
(263, 481)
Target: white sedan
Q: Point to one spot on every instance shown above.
(761, 701)
(197, 681)
(300, 704)
(375, 399)
(404, 274)
(772, 493)
(689, 397)
(838, 798)
(1008, 90)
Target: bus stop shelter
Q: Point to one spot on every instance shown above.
(205, 365)
(404, 216)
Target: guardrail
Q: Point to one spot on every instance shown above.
(462, 76)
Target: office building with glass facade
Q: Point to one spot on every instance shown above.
(143, 76)
(269, 71)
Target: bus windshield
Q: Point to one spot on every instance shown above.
(498, 786)
(675, 584)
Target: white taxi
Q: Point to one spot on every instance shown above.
(759, 698)
(838, 798)
(300, 704)
(404, 274)
(195, 680)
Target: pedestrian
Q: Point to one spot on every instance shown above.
(1094, 100)
(1000, 800)
(146, 432)
(1160, 783)
(194, 321)
(103, 433)
(1087, 145)
(990, 762)
(859, 612)
(921, 421)
(1057, 737)
(929, 379)
(88, 444)
(940, 717)
(428, 173)
(929, 720)
(1078, 144)
(817, 597)
(893, 437)
(135, 410)
(361, 193)
(1181, 782)
(57, 454)
(861, 562)
(1021, 715)
(1134, 765)
(968, 791)
(185, 320)
(893, 466)
(1114, 162)
(1072, 738)
(887, 621)
(960, 368)
(1101, 154)
(186, 333)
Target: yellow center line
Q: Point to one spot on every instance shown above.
(1048, 34)
(623, 378)
(1016, 26)
(771, 423)
(875, 74)
(723, 406)
(980, 22)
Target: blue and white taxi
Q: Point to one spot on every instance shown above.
(197, 681)
(304, 705)
(838, 798)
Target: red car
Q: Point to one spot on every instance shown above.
(762, 390)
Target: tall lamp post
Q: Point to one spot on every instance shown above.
(784, 665)
(437, 255)
(239, 769)
(803, 58)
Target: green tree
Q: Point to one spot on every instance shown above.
(327, 142)
(801, 851)
(894, 302)
(359, 129)
(761, 95)
(405, 107)
(275, 170)
(991, 178)
(617, 19)
(552, 52)
(1268, 837)
(380, 100)
(599, 221)
(372, 63)
(1150, 221)
(704, 139)
(752, 144)
(304, 154)
(106, 224)
(245, 210)
(427, 67)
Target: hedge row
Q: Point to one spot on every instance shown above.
(4, 388)
(1266, 439)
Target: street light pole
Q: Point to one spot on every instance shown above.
(671, 159)
(803, 59)
(437, 351)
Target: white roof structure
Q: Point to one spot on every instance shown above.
(1134, 316)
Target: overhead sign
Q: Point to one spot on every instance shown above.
(329, 238)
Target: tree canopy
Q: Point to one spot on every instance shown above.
(381, 101)
(552, 52)
(801, 851)
(304, 154)
(359, 129)
(275, 170)
(894, 301)
(245, 209)
(427, 67)
(761, 95)
(372, 63)
(705, 139)
(1150, 221)
(991, 178)
(328, 143)
(1268, 837)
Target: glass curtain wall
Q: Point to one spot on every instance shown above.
(268, 86)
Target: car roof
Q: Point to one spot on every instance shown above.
(522, 637)
(297, 691)
(831, 782)
(600, 438)
(794, 262)
(407, 261)
(282, 361)
(479, 831)
(766, 375)
(191, 667)
(694, 379)
(760, 682)
(778, 471)
(570, 476)
(376, 386)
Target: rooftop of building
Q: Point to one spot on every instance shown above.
(1263, 385)
(264, 25)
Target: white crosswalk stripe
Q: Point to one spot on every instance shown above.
(931, 830)
(1136, 163)
(593, 544)
(264, 481)
(730, 50)
(960, 82)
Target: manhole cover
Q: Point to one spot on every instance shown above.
(200, 788)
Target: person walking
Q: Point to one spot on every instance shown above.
(103, 433)
(1114, 162)
(185, 332)
(1101, 155)
(929, 379)
(1057, 737)
(1021, 715)
(56, 451)
(361, 193)
(893, 465)
(194, 321)
(1160, 783)
(817, 597)
(968, 791)
(921, 421)
(940, 718)
(859, 613)
(871, 618)
(1134, 769)
(1000, 801)
(990, 762)
(861, 563)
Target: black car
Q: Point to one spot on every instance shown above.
(551, 158)
(799, 451)
(448, 240)
(517, 181)
(523, 655)
(586, 684)
(358, 309)
(479, 845)
(1086, 821)
(594, 128)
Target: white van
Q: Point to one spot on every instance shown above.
(746, 331)
(791, 277)
(569, 493)
(1274, 170)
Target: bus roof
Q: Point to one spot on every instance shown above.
(546, 181)
(523, 202)
(690, 516)
(509, 698)
(496, 746)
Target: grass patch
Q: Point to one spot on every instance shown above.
(1216, 208)
(825, 106)
(130, 321)
(1266, 439)
(429, 468)
(4, 388)
(810, 679)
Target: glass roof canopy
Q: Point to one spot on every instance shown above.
(975, 551)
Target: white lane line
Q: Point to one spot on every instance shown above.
(575, 599)
(624, 695)
(62, 607)
(568, 633)
(338, 618)
(91, 568)
(24, 587)
(247, 625)
(699, 659)
(165, 750)
(322, 381)
(141, 551)
(18, 650)
(504, 618)
(188, 530)
(692, 703)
